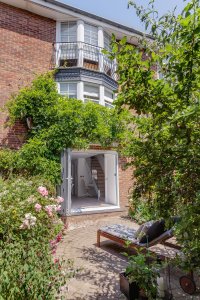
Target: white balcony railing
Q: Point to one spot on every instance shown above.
(79, 54)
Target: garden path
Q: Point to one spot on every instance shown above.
(98, 278)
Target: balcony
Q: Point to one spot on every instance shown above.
(82, 55)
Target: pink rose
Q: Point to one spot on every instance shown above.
(59, 199)
(48, 209)
(38, 207)
(58, 207)
(43, 191)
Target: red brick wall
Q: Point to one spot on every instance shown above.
(25, 50)
(125, 182)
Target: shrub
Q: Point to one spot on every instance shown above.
(29, 233)
(164, 145)
(27, 271)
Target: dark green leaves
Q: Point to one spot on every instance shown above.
(165, 140)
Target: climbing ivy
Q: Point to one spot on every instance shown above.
(56, 122)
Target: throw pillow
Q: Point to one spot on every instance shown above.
(142, 230)
(153, 232)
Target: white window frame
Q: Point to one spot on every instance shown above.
(68, 93)
(91, 50)
(88, 28)
(68, 35)
(91, 96)
(109, 101)
(107, 43)
(67, 47)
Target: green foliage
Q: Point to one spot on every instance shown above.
(144, 273)
(188, 234)
(28, 272)
(56, 122)
(165, 130)
(29, 228)
(37, 101)
(8, 160)
(141, 211)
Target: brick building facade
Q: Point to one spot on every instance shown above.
(32, 34)
(25, 50)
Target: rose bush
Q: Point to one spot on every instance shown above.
(30, 231)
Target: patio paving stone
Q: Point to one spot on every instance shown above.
(98, 278)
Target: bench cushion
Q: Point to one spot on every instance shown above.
(121, 231)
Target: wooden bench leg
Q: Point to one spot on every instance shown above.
(98, 238)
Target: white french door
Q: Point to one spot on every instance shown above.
(66, 181)
(111, 184)
(111, 181)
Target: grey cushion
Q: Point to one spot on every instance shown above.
(142, 230)
(154, 231)
(121, 231)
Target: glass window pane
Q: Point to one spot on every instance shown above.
(68, 32)
(68, 89)
(92, 90)
(107, 41)
(91, 34)
(108, 93)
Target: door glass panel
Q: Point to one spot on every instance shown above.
(66, 181)
(111, 179)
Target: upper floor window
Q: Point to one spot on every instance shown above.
(108, 98)
(107, 41)
(91, 92)
(109, 94)
(109, 104)
(68, 89)
(68, 32)
(91, 34)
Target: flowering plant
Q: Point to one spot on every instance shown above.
(30, 231)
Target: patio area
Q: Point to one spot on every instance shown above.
(98, 277)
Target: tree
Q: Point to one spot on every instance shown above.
(164, 136)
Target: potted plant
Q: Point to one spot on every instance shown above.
(139, 281)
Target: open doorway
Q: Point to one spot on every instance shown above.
(91, 181)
